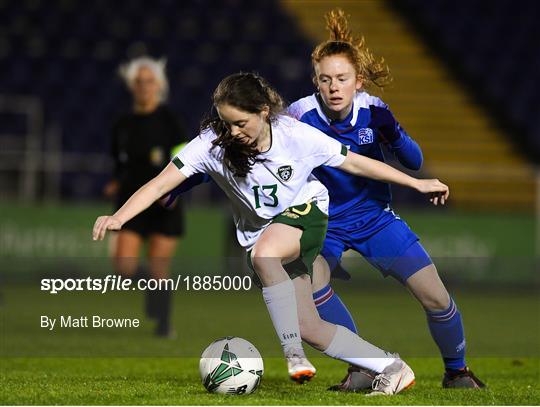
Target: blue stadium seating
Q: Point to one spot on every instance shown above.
(493, 47)
(67, 53)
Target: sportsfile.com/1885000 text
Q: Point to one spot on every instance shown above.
(118, 283)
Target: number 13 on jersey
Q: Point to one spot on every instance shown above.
(267, 191)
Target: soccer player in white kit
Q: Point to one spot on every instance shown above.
(263, 159)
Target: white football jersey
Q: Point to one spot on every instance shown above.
(282, 180)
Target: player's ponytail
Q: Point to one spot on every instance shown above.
(372, 71)
(337, 24)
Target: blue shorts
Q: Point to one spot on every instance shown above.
(393, 249)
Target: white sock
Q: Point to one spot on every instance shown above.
(349, 347)
(280, 300)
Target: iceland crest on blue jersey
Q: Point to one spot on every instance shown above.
(365, 136)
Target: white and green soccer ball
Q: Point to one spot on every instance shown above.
(231, 365)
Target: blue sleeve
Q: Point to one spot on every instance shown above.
(187, 185)
(407, 151)
(404, 148)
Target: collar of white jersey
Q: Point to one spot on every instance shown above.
(271, 139)
(354, 116)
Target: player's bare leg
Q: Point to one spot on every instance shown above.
(430, 291)
(126, 254)
(277, 245)
(427, 287)
(161, 248)
(321, 274)
(314, 330)
(393, 374)
(357, 378)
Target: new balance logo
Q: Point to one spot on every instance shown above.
(461, 346)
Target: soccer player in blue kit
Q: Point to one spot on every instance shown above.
(248, 147)
(361, 217)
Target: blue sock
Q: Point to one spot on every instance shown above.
(447, 330)
(331, 308)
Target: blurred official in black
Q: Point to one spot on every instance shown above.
(143, 141)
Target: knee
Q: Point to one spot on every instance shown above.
(262, 257)
(428, 288)
(439, 302)
(265, 263)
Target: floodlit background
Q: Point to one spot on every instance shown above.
(466, 87)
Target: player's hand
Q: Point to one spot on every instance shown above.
(383, 120)
(104, 223)
(438, 191)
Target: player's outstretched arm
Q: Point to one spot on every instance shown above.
(366, 167)
(150, 192)
(188, 185)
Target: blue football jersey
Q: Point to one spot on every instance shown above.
(350, 193)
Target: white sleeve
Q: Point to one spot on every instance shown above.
(194, 157)
(295, 110)
(321, 149)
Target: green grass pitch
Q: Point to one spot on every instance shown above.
(132, 367)
(170, 381)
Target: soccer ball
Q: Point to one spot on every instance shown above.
(231, 365)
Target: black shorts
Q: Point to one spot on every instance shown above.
(157, 219)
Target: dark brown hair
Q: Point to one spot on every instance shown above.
(372, 71)
(250, 93)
